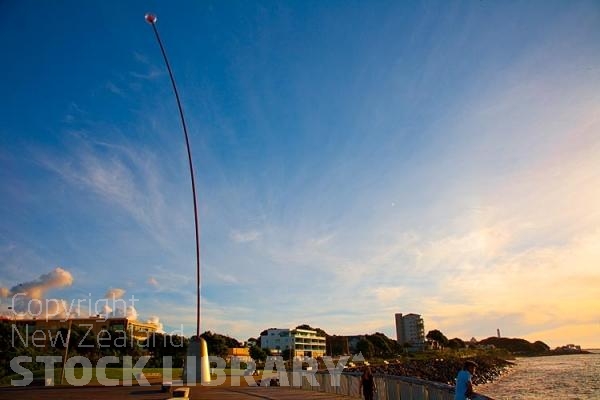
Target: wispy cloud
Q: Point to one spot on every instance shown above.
(508, 260)
(113, 88)
(124, 176)
(152, 73)
(139, 57)
(74, 112)
(244, 236)
(226, 278)
(170, 280)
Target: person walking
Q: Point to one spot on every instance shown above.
(367, 384)
(464, 384)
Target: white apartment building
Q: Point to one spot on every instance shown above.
(303, 342)
(410, 329)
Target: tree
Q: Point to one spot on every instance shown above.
(365, 347)
(257, 353)
(219, 344)
(161, 345)
(437, 336)
(456, 343)
(287, 354)
(10, 348)
(540, 346)
(381, 347)
(338, 345)
(320, 332)
(516, 346)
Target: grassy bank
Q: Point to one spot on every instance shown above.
(110, 373)
(120, 374)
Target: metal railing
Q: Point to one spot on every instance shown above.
(389, 387)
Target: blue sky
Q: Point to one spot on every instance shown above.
(353, 160)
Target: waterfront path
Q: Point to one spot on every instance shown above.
(154, 393)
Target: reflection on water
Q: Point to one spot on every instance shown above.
(555, 377)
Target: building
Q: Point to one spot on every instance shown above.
(410, 329)
(302, 342)
(46, 330)
(239, 354)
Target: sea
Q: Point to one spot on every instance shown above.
(554, 377)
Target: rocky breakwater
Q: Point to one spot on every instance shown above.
(443, 370)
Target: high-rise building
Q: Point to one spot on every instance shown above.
(410, 329)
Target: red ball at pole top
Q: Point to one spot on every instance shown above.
(150, 18)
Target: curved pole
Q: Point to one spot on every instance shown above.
(151, 19)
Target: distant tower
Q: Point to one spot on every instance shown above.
(399, 329)
(410, 329)
(498, 331)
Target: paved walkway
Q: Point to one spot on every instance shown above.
(153, 393)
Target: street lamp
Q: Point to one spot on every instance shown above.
(204, 372)
(151, 19)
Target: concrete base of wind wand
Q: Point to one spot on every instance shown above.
(197, 366)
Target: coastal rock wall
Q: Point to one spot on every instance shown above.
(443, 370)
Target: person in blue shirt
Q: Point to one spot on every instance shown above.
(464, 385)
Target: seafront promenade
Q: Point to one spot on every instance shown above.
(389, 388)
(154, 393)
